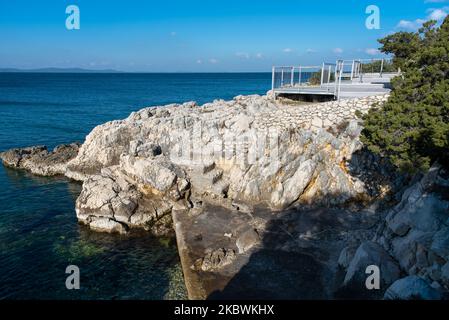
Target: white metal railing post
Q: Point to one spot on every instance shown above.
(300, 71)
(322, 75)
(273, 70)
(282, 77)
(381, 68)
(339, 81)
(336, 78)
(352, 70)
(361, 72)
(292, 75)
(338, 70)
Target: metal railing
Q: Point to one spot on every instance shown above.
(328, 77)
(357, 68)
(297, 76)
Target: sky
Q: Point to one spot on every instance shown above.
(200, 36)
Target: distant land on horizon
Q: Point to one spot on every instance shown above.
(58, 70)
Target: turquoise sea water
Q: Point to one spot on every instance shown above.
(39, 234)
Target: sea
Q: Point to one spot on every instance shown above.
(40, 238)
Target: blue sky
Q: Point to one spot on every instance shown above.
(199, 36)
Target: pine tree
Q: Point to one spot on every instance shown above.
(412, 127)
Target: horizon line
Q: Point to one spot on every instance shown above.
(109, 71)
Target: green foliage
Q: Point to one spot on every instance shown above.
(376, 65)
(412, 128)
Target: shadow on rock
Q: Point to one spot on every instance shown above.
(271, 274)
(381, 179)
(296, 258)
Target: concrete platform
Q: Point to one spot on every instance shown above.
(295, 257)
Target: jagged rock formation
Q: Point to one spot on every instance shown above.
(249, 149)
(414, 237)
(235, 176)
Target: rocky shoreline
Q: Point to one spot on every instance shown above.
(252, 188)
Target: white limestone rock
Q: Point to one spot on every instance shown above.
(153, 172)
(247, 240)
(411, 288)
(370, 253)
(288, 192)
(317, 122)
(104, 224)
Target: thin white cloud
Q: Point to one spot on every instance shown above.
(199, 61)
(213, 60)
(338, 50)
(310, 50)
(173, 33)
(372, 51)
(259, 55)
(410, 25)
(287, 50)
(243, 55)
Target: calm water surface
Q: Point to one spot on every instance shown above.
(39, 234)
